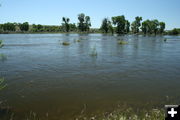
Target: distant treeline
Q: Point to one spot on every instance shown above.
(117, 24)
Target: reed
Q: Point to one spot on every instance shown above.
(1, 43)
(2, 85)
(93, 52)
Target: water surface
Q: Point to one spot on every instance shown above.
(46, 77)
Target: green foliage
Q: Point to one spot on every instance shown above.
(48, 28)
(87, 23)
(129, 114)
(145, 27)
(72, 26)
(81, 18)
(65, 43)
(162, 27)
(152, 26)
(66, 24)
(127, 25)
(77, 41)
(175, 31)
(1, 44)
(9, 27)
(136, 24)
(119, 22)
(37, 28)
(24, 26)
(121, 42)
(84, 22)
(2, 85)
(106, 26)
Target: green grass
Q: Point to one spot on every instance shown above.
(120, 114)
(1, 43)
(2, 85)
(154, 114)
(65, 43)
(129, 114)
(77, 40)
(121, 42)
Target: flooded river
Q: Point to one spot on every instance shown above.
(62, 82)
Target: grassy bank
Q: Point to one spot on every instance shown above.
(128, 114)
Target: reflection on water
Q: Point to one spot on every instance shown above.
(48, 78)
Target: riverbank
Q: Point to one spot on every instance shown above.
(6, 113)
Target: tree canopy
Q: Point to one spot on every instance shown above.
(84, 22)
(105, 26)
(152, 27)
(24, 26)
(117, 24)
(136, 24)
(66, 24)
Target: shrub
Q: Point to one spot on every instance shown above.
(65, 43)
(121, 42)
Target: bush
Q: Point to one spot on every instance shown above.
(65, 43)
(122, 42)
(175, 31)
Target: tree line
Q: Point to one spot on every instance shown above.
(122, 26)
(117, 24)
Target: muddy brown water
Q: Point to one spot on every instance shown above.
(62, 82)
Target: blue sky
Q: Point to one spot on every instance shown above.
(50, 12)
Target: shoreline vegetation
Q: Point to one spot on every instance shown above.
(116, 25)
(118, 114)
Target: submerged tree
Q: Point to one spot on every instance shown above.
(84, 22)
(155, 25)
(87, 23)
(81, 18)
(106, 26)
(162, 27)
(136, 24)
(127, 25)
(145, 27)
(66, 23)
(111, 29)
(152, 27)
(119, 22)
